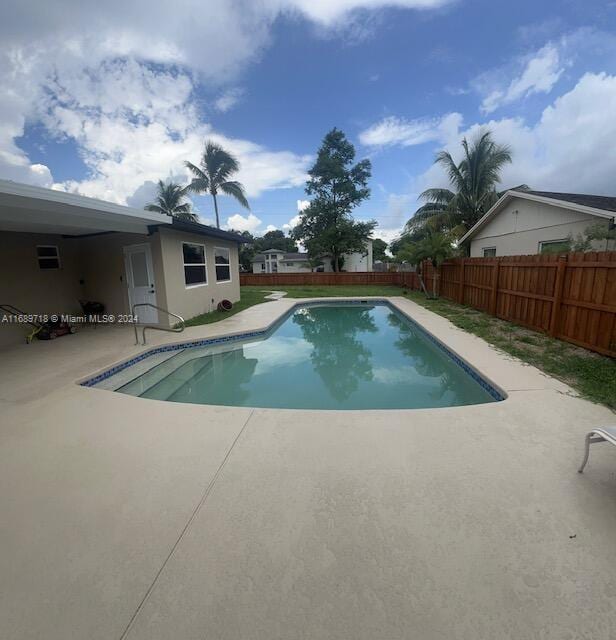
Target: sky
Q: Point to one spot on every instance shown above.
(106, 98)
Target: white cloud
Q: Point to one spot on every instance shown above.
(270, 227)
(293, 222)
(135, 124)
(239, 222)
(228, 99)
(399, 131)
(387, 234)
(98, 79)
(329, 12)
(570, 148)
(540, 73)
(302, 204)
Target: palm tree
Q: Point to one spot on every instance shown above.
(474, 182)
(217, 166)
(170, 200)
(435, 246)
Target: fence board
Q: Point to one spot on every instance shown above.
(579, 305)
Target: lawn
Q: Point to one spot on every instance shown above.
(249, 297)
(592, 375)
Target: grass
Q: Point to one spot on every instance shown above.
(592, 375)
(249, 297)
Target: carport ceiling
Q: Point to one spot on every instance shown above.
(36, 210)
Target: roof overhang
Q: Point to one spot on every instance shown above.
(510, 195)
(36, 210)
(201, 230)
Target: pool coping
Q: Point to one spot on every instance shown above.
(497, 393)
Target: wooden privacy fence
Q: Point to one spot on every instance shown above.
(571, 297)
(318, 279)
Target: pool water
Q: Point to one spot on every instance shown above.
(320, 357)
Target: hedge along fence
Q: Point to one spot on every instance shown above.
(571, 297)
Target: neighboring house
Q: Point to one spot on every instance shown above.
(58, 248)
(529, 222)
(276, 261)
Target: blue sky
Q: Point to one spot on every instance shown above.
(96, 106)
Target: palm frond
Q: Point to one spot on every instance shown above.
(437, 196)
(236, 190)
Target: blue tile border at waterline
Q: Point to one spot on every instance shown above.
(207, 342)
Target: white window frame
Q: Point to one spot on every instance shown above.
(484, 249)
(263, 266)
(56, 257)
(195, 264)
(222, 264)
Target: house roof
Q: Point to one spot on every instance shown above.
(31, 209)
(600, 206)
(605, 203)
(202, 229)
(259, 257)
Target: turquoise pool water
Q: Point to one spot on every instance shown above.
(320, 357)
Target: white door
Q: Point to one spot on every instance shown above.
(140, 281)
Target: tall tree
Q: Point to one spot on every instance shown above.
(171, 200)
(326, 226)
(473, 181)
(276, 239)
(212, 176)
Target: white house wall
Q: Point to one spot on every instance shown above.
(520, 227)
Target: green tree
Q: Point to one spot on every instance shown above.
(436, 246)
(326, 226)
(473, 181)
(212, 176)
(246, 250)
(378, 250)
(275, 239)
(171, 200)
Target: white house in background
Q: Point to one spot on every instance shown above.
(277, 261)
(59, 248)
(528, 222)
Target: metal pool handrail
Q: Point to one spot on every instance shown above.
(177, 329)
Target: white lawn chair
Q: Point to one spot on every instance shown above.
(600, 434)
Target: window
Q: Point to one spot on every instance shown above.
(48, 256)
(555, 246)
(263, 266)
(194, 264)
(489, 252)
(222, 262)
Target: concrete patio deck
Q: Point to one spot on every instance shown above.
(130, 518)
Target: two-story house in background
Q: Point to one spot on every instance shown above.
(277, 261)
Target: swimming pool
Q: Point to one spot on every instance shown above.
(318, 356)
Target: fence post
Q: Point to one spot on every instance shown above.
(494, 292)
(461, 287)
(558, 295)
